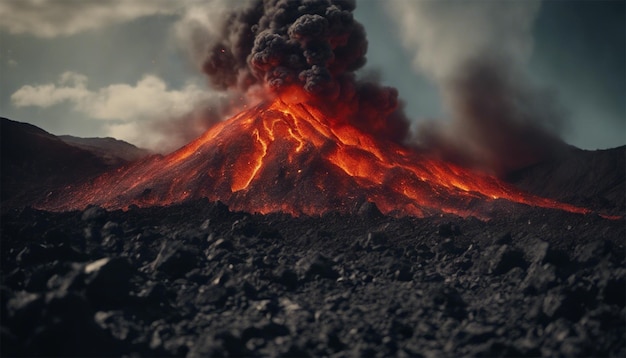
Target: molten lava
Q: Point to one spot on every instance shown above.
(286, 157)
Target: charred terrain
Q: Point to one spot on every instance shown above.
(198, 279)
(312, 223)
(34, 162)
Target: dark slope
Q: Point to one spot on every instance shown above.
(34, 162)
(113, 151)
(295, 158)
(593, 179)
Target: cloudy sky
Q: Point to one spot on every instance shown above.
(129, 69)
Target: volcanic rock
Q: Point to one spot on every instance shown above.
(93, 213)
(316, 265)
(369, 210)
(107, 281)
(613, 291)
(176, 259)
(302, 159)
(499, 260)
(196, 279)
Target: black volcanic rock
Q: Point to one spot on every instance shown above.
(175, 259)
(297, 158)
(107, 282)
(499, 260)
(197, 279)
(316, 265)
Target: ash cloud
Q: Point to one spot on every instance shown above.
(271, 47)
(476, 52)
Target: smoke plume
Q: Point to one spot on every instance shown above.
(310, 47)
(476, 52)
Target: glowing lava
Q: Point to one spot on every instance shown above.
(286, 157)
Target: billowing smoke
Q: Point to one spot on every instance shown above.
(171, 133)
(312, 47)
(282, 43)
(476, 52)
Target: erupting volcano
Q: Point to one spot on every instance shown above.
(291, 157)
(347, 229)
(322, 139)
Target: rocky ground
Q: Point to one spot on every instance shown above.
(198, 280)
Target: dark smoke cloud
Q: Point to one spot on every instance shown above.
(476, 52)
(373, 108)
(226, 64)
(282, 43)
(502, 122)
(315, 45)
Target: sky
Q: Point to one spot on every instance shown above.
(130, 69)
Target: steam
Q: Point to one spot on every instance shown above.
(476, 52)
(172, 132)
(308, 47)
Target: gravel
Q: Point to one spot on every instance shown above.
(198, 280)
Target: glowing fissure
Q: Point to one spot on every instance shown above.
(292, 158)
(256, 162)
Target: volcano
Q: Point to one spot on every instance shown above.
(291, 157)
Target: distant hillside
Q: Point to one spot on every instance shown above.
(594, 179)
(34, 162)
(113, 151)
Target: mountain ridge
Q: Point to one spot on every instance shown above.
(35, 162)
(293, 157)
(592, 179)
(115, 151)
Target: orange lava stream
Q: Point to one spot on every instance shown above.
(292, 158)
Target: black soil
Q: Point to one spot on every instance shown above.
(198, 280)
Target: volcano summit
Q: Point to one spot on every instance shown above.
(340, 235)
(291, 157)
(321, 139)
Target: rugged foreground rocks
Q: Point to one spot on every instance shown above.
(198, 280)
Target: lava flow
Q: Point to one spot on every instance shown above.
(292, 158)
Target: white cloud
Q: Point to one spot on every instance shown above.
(50, 18)
(148, 98)
(444, 35)
(72, 88)
(142, 113)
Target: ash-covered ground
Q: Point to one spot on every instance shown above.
(198, 280)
